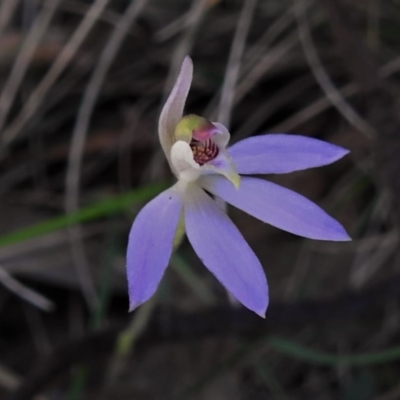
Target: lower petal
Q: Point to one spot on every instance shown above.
(150, 245)
(223, 250)
(277, 206)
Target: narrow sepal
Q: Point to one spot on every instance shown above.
(281, 153)
(173, 109)
(223, 250)
(150, 245)
(277, 206)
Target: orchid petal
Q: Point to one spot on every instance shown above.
(223, 250)
(183, 162)
(277, 206)
(223, 137)
(280, 153)
(222, 165)
(173, 109)
(150, 245)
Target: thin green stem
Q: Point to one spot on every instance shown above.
(100, 209)
(304, 353)
(127, 338)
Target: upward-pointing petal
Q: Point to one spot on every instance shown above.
(150, 245)
(277, 206)
(280, 153)
(223, 250)
(173, 109)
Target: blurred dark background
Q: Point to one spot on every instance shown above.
(81, 87)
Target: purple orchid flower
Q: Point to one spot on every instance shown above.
(197, 153)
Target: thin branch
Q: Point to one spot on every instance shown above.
(253, 56)
(35, 99)
(194, 19)
(24, 58)
(79, 138)
(234, 62)
(322, 77)
(324, 103)
(7, 9)
(257, 50)
(357, 57)
(24, 292)
(381, 99)
(257, 72)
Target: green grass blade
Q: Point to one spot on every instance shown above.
(100, 209)
(303, 353)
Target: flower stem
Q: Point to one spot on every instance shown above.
(127, 338)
